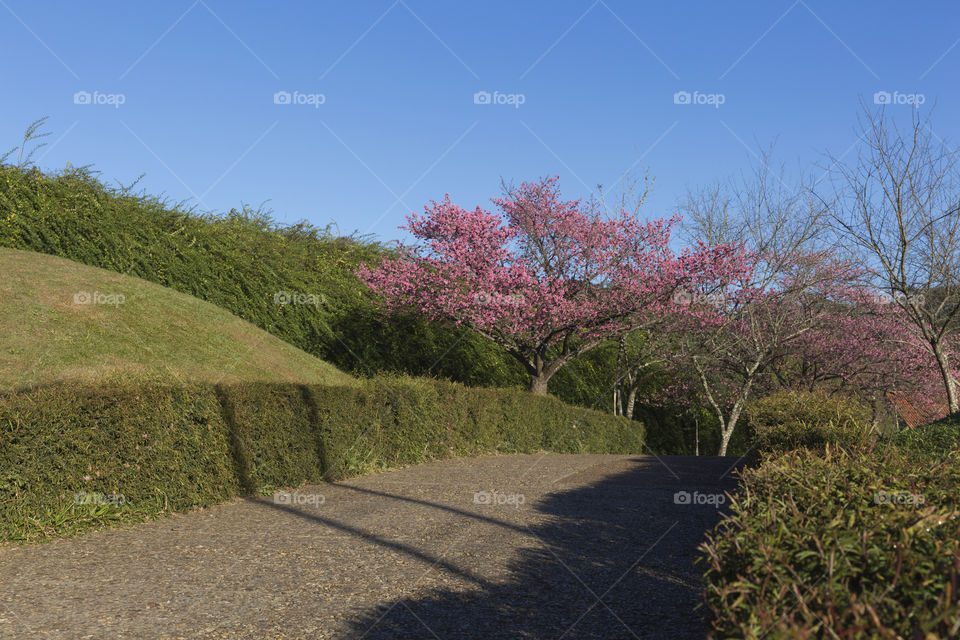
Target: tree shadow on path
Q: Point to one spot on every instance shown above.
(613, 559)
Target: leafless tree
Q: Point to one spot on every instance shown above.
(896, 208)
(782, 222)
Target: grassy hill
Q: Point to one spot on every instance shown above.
(239, 260)
(61, 320)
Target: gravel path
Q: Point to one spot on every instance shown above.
(524, 546)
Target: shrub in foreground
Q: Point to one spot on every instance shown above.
(788, 420)
(843, 545)
(75, 457)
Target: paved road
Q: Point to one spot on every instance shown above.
(525, 546)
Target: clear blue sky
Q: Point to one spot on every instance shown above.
(398, 124)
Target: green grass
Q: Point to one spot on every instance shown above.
(49, 335)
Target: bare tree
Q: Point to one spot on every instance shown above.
(762, 317)
(897, 210)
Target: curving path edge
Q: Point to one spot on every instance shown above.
(518, 546)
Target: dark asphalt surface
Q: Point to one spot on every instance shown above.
(520, 546)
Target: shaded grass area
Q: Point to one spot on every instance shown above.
(932, 441)
(76, 456)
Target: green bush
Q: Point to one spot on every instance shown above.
(166, 447)
(843, 545)
(160, 447)
(788, 420)
(933, 440)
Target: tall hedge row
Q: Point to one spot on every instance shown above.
(244, 262)
(788, 419)
(74, 457)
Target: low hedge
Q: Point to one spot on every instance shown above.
(850, 544)
(75, 457)
(788, 420)
(933, 440)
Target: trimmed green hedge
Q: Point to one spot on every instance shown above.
(933, 440)
(788, 420)
(850, 544)
(134, 450)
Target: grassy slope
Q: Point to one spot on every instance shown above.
(46, 337)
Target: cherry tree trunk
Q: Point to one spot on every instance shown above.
(943, 363)
(538, 384)
(726, 428)
(631, 402)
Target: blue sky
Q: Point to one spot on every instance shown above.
(382, 115)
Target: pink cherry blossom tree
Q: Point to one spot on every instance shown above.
(736, 347)
(546, 279)
(864, 350)
(729, 350)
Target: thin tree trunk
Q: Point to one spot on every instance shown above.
(696, 422)
(631, 401)
(724, 440)
(943, 363)
(727, 425)
(726, 430)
